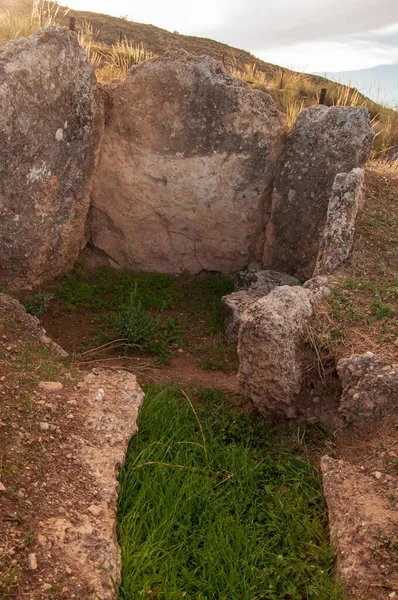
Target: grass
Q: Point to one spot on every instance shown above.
(16, 21)
(212, 506)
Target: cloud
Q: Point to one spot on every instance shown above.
(321, 56)
(256, 23)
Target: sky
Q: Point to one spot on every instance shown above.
(307, 35)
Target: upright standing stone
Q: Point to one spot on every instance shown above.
(186, 168)
(50, 128)
(323, 143)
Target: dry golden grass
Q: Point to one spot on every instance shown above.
(296, 91)
(16, 21)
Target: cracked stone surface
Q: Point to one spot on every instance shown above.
(51, 124)
(186, 168)
(250, 285)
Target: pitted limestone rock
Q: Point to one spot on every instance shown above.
(369, 387)
(109, 403)
(271, 349)
(250, 285)
(51, 122)
(338, 237)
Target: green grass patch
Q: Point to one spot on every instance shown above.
(380, 310)
(108, 289)
(213, 507)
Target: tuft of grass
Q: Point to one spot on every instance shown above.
(16, 22)
(120, 58)
(380, 310)
(211, 506)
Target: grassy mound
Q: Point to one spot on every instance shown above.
(212, 506)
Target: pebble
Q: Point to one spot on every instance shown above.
(100, 395)
(378, 474)
(95, 510)
(51, 386)
(2, 487)
(20, 494)
(32, 562)
(393, 594)
(47, 587)
(44, 426)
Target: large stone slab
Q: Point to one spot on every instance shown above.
(50, 129)
(338, 237)
(108, 404)
(363, 526)
(271, 349)
(323, 143)
(186, 168)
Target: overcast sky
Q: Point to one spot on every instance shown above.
(311, 35)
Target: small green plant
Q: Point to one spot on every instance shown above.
(378, 220)
(380, 310)
(8, 579)
(38, 304)
(136, 325)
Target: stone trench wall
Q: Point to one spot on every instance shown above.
(196, 170)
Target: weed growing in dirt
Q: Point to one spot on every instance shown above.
(156, 313)
(212, 506)
(380, 310)
(136, 325)
(37, 305)
(8, 578)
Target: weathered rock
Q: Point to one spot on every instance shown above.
(50, 128)
(359, 511)
(250, 285)
(186, 168)
(261, 281)
(323, 143)
(271, 348)
(51, 386)
(32, 562)
(338, 236)
(369, 387)
(233, 308)
(12, 309)
(88, 542)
